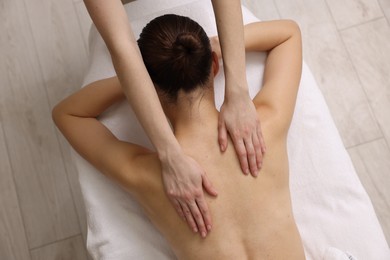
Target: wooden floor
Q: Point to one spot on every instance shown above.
(43, 55)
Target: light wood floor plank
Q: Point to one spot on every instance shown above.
(373, 66)
(372, 163)
(60, 47)
(352, 12)
(385, 5)
(68, 249)
(41, 182)
(13, 242)
(326, 55)
(263, 9)
(63, 57)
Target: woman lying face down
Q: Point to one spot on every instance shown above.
(252, 217)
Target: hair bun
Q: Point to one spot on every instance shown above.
(177, 54)
(187, 44)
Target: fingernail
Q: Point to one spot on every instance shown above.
(247, 172)
(195, 230)
(208, 227)
(203, 234)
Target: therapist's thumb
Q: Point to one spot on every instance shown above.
(222, 135)
(208, 186)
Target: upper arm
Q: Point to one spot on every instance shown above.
(282, 40)
(76, 119)
(110, 18)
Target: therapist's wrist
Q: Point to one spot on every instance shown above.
(166, 152)
(235, 83)
(236, 92)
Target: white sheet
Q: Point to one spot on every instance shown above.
(331, 207)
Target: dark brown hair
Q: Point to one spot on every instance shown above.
(177, 54)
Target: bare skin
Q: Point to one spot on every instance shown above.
(181, 173)
(238, 114)
(260, 226)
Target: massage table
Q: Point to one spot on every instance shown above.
(333, 212)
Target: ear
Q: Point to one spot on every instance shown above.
(215, 63)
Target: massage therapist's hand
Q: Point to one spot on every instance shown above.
(238, 117)
(184, 181)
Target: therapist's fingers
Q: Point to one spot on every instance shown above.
(208, 185)
(251, 153)
(258, 150)
(242, 155)
(188, 215)
(197, 215)
(222, 135)
(261, 139)
(178, 208)
(202, 204)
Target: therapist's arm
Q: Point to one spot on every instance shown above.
(183, 177)
(238, 114)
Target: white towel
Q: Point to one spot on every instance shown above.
(331, 208)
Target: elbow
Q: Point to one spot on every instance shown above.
(294, 28)
(291, 32)
(295, 36)
(56, 114)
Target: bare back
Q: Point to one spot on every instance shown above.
(253, 216)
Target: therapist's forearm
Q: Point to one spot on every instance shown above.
(112, 23)
(142, 96)
(231, 35)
